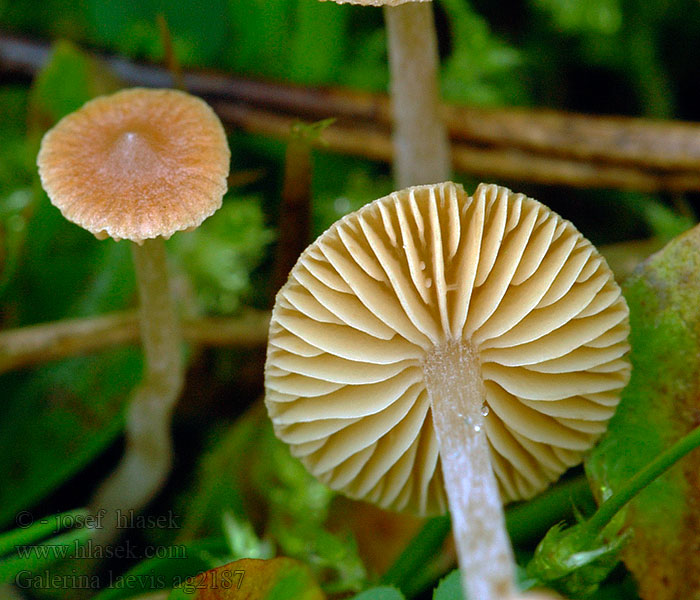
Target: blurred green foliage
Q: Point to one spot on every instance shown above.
(65, 83)
(380, 593)
(449, 588)
(601, 17)
(482, 69)
(248, 468)
(220, 254)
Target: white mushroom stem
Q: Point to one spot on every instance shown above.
(148, 456)
(456, 390)
(421, 146)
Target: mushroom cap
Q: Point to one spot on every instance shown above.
(378, 2)
(137, 164)
(414, 270)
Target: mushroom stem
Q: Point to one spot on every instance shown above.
(421, 146)
(455, 387)
(148, 455)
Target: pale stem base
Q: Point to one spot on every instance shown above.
(421, 145)
(453, 378)
(148, 455)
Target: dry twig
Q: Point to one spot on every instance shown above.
(546, 147)
(35, 344)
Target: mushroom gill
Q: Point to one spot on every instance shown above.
(386, 288)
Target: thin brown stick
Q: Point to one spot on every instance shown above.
(36, 344)
(647, 143)
(294, 223)
(502, 163)
(590, 151)
(50, 341)
(247, 331)
(171, 61)
(514, 164)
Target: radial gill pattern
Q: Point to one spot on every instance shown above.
(427, 265)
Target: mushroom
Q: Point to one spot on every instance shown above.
(435, 349)
(421, 145)
(140, 165)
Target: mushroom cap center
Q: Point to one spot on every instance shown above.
(133, 152)
(137, 164)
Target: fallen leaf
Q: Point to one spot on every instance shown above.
(279, 578)
(660, 405)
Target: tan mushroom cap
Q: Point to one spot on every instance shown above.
(411, 271)
(137, 164)
(378, 2)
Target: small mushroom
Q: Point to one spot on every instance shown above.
(140, 165)
(136, 165)
(436, 349)
(421, 145)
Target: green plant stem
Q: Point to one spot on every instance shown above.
(48, 525)
(14, 565)
(609, 508)
(424, 545)
(527, 522)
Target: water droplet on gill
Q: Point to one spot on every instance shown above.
(428, 282)
(485, 410)
(422, 266)
(477, 428)
(468, 420)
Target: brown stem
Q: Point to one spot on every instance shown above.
(455, 387)
(421, 147)
(171, 61)
(294, 223)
